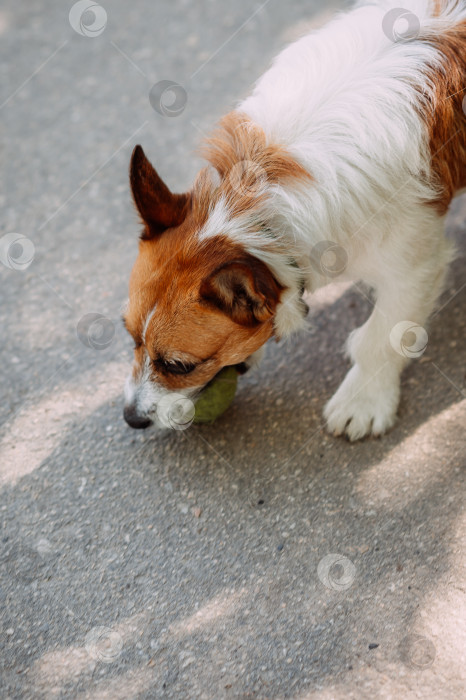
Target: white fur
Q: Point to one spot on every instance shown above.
(244, 231)
(146, 323)
(341, 100)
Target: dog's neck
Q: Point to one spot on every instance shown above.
(249, 167)
(267, 230)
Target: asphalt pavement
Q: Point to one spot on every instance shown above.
(257, 557)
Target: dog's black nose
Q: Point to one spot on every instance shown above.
(134, 419)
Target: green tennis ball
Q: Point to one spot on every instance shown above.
(217, 396)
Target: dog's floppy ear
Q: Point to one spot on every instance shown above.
(159, 208)
(246, 290)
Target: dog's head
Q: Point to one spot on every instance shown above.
(198, 299)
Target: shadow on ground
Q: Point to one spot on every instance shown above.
(198, 563)
(198, 552)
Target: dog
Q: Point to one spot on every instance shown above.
(341, 163)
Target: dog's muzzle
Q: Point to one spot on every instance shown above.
(138, 408)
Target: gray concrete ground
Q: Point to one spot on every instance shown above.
(199, 564)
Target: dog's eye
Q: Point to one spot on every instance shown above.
(176, 366)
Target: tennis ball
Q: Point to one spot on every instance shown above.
(217, 396)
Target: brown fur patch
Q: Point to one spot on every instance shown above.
(213, 304)
(247, 162)
(447, 124)
(245, 289)
(203, 195)
(168, 275)
(437, 6)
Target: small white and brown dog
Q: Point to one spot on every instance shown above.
(352, 144)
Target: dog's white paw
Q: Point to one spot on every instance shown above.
(364, 404)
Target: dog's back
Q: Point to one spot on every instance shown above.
(351, 94)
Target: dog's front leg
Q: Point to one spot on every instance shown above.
(367, 400)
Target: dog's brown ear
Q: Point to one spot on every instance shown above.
(159, 208)
(246, 290)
